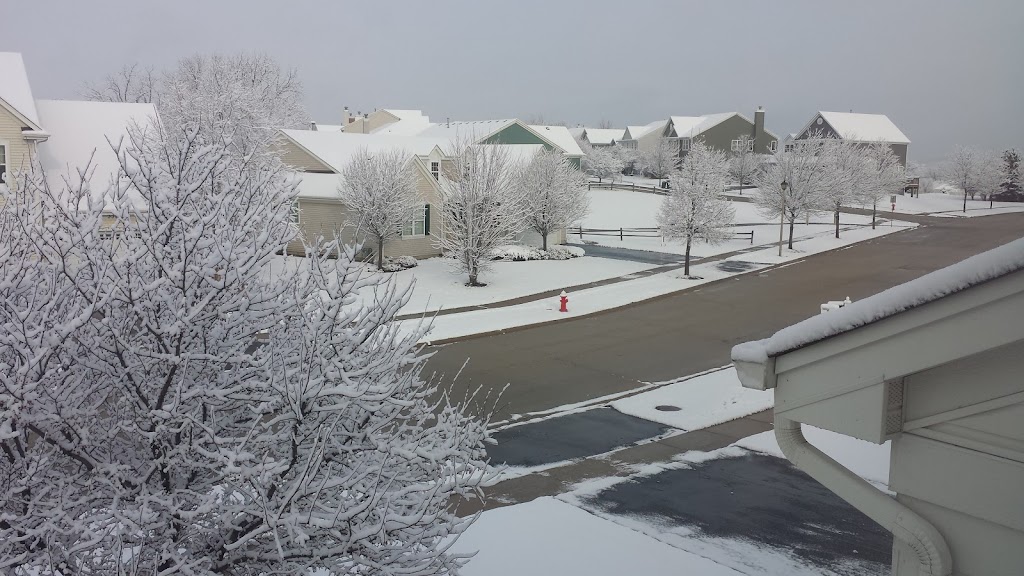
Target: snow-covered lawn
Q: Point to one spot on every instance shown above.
(623, 293)
(821, 243)
(702, 401)
(438, 286)
(950, 204)
(548, 537)
(614, 209)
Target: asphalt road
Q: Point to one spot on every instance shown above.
(683, 333)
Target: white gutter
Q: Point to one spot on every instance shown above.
(905, 524)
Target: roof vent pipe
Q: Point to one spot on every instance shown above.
(927, 543)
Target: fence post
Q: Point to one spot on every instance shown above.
(751, 237)
(581, 233)
(620, 234)
(588, 186)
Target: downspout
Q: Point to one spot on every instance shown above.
(905, 524)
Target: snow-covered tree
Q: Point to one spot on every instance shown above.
(743, 161)
(554, 192)
(482, 207)
(379, 190)
(693, 209)
(601, 162)
(794, 183)
(132, 83)
(963, 169)
(990, 175)
(661, 160)
(847, 175)
(246, 96)
(171, 403)
(1010, 182)
(629, 157)
(885, 176)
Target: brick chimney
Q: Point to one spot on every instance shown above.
(345, 118)
(760, 138)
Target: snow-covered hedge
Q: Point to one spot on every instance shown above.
(399, 263)
(518, 253)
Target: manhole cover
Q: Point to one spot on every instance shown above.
(668, 408)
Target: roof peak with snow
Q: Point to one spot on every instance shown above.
(336, 148)
(861, 127)
(995, 263)
(15, 89)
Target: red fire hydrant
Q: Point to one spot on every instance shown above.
(565, 302)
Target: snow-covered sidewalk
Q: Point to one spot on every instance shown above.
(548, 537)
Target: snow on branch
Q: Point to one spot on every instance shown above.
(172, 402)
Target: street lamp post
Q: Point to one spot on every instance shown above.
(782, 212)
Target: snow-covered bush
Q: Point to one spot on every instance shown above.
(520, 253)
(168, 406)
(399, 263)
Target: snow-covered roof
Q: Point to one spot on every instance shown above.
(690, 126)
(519, 154)
(80, 128)
(577, 132)
(604, 135)
(561, 137)
(318, 186)
(15, 89)
(328, 127)
(410, 122)
(637, 132)
(405, 114)
(863, 127)
(975, 270)
(336, 148)
(473, 130)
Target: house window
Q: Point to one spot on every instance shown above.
(435, 170)
(293, 213)
(789, 147)
(684, 144)
(3, 164)
(773, 145)
(737, 145)
(418, 224)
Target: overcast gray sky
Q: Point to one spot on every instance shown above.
(946, 72)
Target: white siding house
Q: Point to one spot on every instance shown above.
(935, 366)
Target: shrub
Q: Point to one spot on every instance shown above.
(399, 263)
(518, 253)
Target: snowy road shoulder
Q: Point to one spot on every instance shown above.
(693, 403)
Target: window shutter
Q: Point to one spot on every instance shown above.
(426, 220)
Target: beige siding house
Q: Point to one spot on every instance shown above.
(643, 138)
(20, 127)
(934, 366)
(319, 158)
(62, 136)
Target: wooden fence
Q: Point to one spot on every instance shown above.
(631, 186)
(623, 233)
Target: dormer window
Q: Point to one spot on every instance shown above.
(435, 170)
